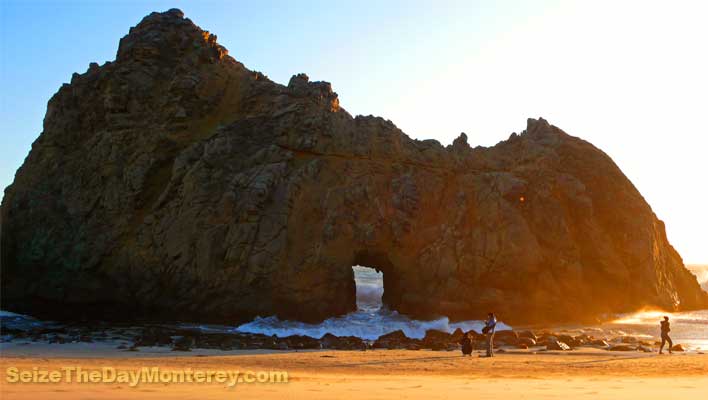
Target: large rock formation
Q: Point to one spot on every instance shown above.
(174, 183)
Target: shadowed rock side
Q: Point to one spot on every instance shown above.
(174, 183)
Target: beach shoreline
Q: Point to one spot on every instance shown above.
(326, 374)
(379, 369)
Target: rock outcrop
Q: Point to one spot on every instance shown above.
(174, 183)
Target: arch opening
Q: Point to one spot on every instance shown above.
(369, 288)
(375, 281)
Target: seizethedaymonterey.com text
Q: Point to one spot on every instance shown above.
(139, 376)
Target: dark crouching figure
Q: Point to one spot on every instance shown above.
(665, 329)
(488, 330)
(467, 344)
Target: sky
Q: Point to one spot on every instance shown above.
(628, 76)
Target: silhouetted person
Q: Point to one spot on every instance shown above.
(466, 343)
(489, 327)
(665, 329)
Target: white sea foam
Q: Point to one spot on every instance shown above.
(370, 321)
(9, 314)
(361, 324)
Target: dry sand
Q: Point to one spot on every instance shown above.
(379, 374)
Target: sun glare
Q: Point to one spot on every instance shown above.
(641, 317)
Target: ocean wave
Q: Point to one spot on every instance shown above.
(368, 297)
(366, 325)
(370, 321)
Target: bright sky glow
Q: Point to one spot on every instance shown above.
(628, 76)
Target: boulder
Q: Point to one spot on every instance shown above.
(528, 334)
(330, 341)
(582, 340)
(411, 345)
(526, 341)
(557, 345)
(59, 339)
(627, 339)
(436, 340)
(457, 335)
(396, 340)
(397, 335)
(599, 342)
(221, 341)
(174, 183)
(184, 343)
(678, 347)
(301, 342)
(155, 336)
(548, 340)
(85, 338)
(569, 340)
(506, 337)
(475, 335)
(257, 341)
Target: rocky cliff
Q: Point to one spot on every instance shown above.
(174, 183)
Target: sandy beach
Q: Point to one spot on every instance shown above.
(373, 374)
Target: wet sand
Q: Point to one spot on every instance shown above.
(373, 374)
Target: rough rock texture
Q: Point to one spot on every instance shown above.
(174, 183)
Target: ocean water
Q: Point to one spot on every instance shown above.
(688, 328)
(701, 272)
(369, 321)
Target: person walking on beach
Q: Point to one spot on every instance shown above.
(488, 330)
(665, 329)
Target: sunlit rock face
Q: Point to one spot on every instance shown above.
(174, 183)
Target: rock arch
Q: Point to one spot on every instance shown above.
(174, 183)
